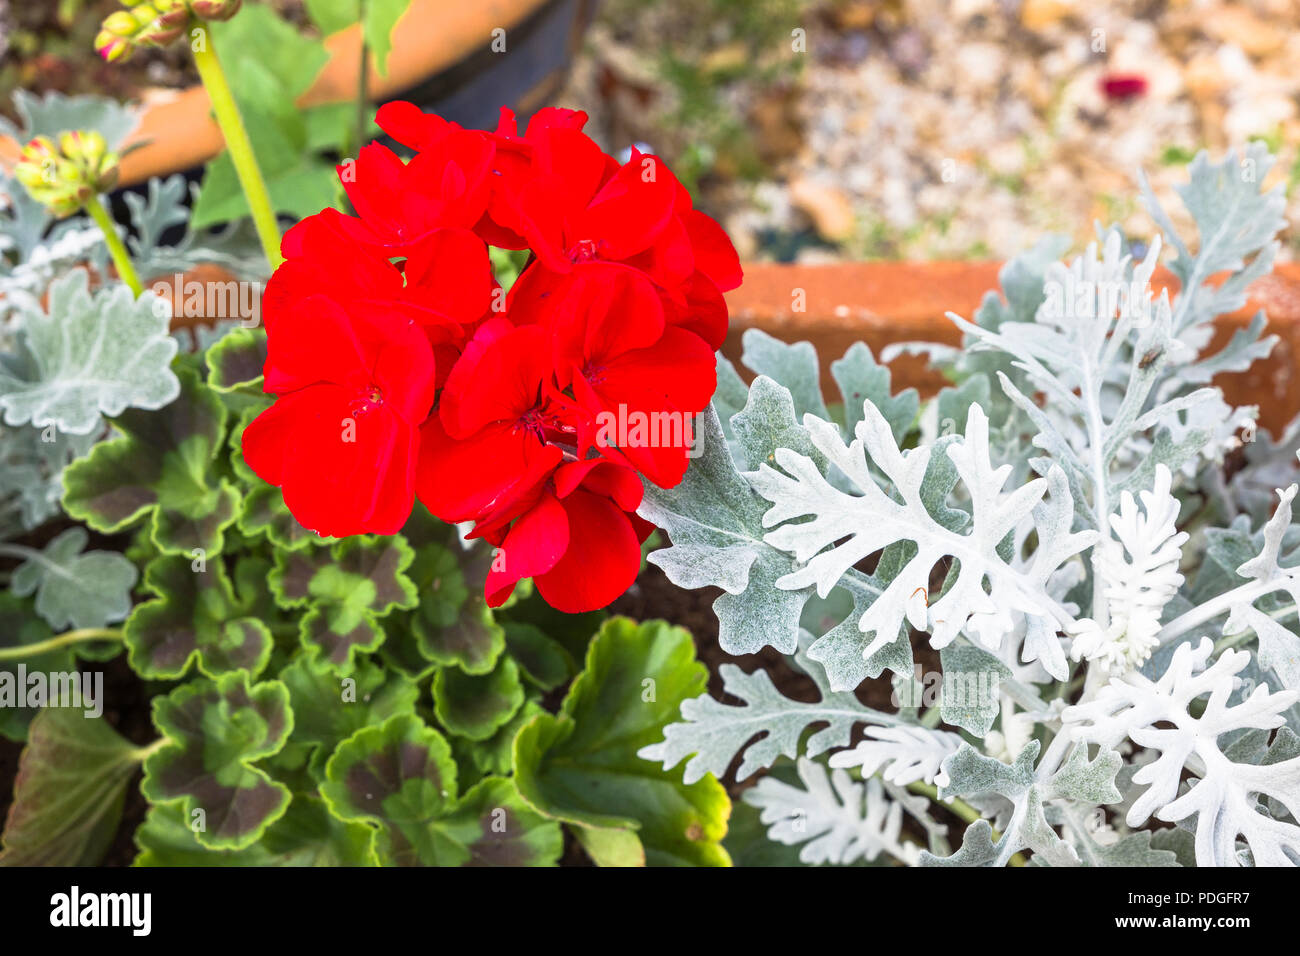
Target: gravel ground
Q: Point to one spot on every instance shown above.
(926, 129)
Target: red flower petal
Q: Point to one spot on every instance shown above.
(601, 561)
(533, 546)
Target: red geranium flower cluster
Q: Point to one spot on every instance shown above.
(401, 369)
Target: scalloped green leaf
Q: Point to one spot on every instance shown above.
(74, 588)
(452, 625)
(348, 588)
(195, 617)
(400, 778)
(23, 626)
(474, 705)
(328, 709)
(544, 661)
(216, 730)
(69, 792)
(307, 835)
(161, 469)
(495, 755)
(235, 360)
(581, 765)
(88, 355)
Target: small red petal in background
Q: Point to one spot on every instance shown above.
(1123, 86)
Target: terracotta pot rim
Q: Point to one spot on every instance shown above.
(836, 305)
(176, 132)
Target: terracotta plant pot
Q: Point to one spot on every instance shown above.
(441, 57)
(882, 303)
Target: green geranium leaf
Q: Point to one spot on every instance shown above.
(348, 588)
(453, 626)
(544, 662)
(68, 796)
(307, 835)
(215, 731)
(162, 468)
(88, 355)
(195, 617)
(381, 18)
(328, 708)
(495, 755)
(581, 765)
(400, 778)
(476, 706)
(22, 627)
(263, 511)
(236, 359)
(75, 588)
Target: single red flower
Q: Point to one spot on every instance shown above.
(354, 384)
(499, 429)
(399, 375)
(580, 542)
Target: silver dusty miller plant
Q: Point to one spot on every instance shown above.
(1112, 599)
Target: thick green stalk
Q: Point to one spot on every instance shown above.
(241, 150)
(62, 640)
(121, 259)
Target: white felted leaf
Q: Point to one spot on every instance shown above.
(838, 819)
(986, 593)
(1138, 572)
(1225, 798)
(712, 733)
(901, 754)
(88, 355)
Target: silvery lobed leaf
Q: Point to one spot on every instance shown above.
(89, 354)
(838, 819)
(902, 754)
(1224, 797)
(74, 588)
(55, 113)
(1030, 790)
(1138, 572)
(846, 528)
(712, 733)
(715, 522)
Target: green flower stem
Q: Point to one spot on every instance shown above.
(241, 150)
(363, 95)
(121, 260)
(959, 808)
(141, 754)
(62, 640)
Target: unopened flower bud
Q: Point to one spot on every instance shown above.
(148, 23)
(64, 177)
(215, 9)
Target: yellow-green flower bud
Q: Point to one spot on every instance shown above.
(215, 9)
(64, 177)
(155, 23)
